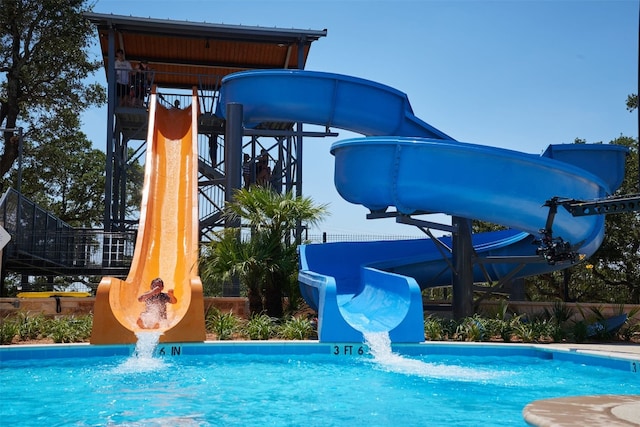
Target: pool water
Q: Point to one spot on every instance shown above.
(379, 389)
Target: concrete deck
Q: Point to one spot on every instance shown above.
(592, 411)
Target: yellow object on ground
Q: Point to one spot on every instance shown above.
(53, 294)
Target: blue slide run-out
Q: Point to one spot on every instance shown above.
(404, 162)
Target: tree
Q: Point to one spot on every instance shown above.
(228, 257)
(478, 226)
(632, 102)
(44, 63)
(66, 175)
(616, 264)
(265, 261)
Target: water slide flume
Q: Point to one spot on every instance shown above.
(408, 164)
(472, 181)
(167, 240)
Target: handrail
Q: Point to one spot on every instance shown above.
(39, 236)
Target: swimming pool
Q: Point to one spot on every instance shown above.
(296, 383)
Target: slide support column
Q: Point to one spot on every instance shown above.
(462, 279)
(233, 169)
(233, 150)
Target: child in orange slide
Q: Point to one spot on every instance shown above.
(156, 305)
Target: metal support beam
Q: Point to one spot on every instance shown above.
(462, 279)
(405, 219)
(501, 283)
(233, 171)
(233, 151)
(285, 133)
(603, 207)
(111, 106)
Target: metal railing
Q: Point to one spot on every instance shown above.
(40, 239)
(141, 82)
(334, 238)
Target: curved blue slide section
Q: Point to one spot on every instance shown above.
(408, 164)
(323, 99)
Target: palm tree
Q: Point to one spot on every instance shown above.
(227, 257)
(266, 260)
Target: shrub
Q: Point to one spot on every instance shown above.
(534, 330)
(557, 332)
(579, 331)
(449, 327)
(8, 331)
(433, 330)
(471, 329)
(259, 327)
(524, 331)
(69, 329)
(629, 331)
(224, 325)
(31, 327)
(506, 329)
(210, 318)
(561, 313)
(295, 328)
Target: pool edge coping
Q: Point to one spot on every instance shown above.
(603, 355)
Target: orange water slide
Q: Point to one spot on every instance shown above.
(167, 241)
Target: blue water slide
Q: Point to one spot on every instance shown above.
(408, 164)
(324, 99)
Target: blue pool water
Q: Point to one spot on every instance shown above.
(232, 389)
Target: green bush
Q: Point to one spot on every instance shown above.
(525, 332)
(224, 325)
(433, 330)
(31, 327)
(628, 332)
(471, 329)
(210, 317)
(8, 331)
(449, 327)
(507, 328)
(561, 313)
(557, 332)
(539, 328)
(579, 331)
(259, 327)
(69, 329)
(295, 328)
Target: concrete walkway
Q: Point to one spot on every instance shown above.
(592, 411)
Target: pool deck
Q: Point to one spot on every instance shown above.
(592, 411)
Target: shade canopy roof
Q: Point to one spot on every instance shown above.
(183, 53)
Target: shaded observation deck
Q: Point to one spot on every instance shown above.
(180, 55)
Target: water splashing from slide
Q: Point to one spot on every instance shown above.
(142, 359)
(384, 358)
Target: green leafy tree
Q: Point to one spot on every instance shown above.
(632, 102)
(44, 89)
(267, 259)
(66, 175)
(228, 257)
(44, 65)
(616, 264)
(478, 226)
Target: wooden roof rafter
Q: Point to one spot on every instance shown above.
(189, 48)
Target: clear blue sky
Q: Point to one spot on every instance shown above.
(516, 74)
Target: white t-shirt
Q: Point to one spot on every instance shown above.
(123, 69)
